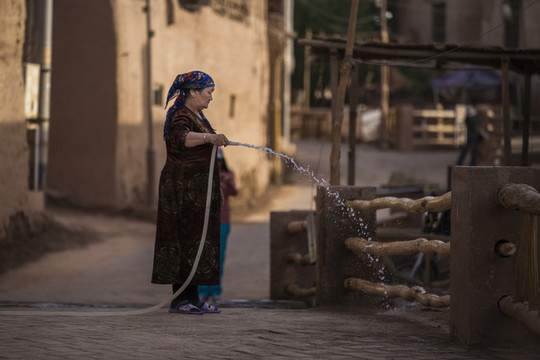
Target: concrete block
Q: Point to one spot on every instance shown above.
(282, 243)
(479, 277)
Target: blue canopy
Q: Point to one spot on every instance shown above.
(465, 86)
(471, 79)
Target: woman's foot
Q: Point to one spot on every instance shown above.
(186, 308)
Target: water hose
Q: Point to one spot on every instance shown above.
(164, 302)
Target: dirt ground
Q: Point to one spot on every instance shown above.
(100, 258)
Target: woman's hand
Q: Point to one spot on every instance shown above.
(197, 138)
(216, 139)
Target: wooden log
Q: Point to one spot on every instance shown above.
(425, 246)
(415, 293)
(299, 292)
(521, 313)
(298, 259)
(419, 206)
(520, 197)
(296, 226)
(408, 234)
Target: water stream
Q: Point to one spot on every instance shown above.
(314, 179)
(347, 211)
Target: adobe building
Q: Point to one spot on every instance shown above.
(99, 133)
(101, 144)
(13, 148)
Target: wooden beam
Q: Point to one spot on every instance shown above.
(521, 60)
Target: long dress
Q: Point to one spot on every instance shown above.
(182, 202)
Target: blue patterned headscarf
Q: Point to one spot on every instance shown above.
(192, 80)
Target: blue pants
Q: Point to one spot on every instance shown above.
(215, 290)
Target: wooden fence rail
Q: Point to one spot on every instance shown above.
(408, 247)
(416, 293)
(521, 197)
(419, 206)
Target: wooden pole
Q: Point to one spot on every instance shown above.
(526, 121)
(307, 72)
(340, 100)
(507, 126)
(353, 101)
(334, 75)
(385, 79)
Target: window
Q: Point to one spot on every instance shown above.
(157, 98)
(193, 5)
(231, 105)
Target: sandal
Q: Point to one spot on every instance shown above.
(186, 309)
(207, 308)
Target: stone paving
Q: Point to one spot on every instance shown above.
(236, 333)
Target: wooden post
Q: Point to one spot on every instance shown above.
(335, 262)
(385, 79)
(526, 121)
(340, 100)
(307, 72)
(334, 74)
(404, 132)
(353, 101)
(283, 243)
(507, 125)
(480, 277)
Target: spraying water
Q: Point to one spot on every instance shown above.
(311, 175)
(361, 226)
(300, 169)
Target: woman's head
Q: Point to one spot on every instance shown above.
(194, 80)
(197, 85)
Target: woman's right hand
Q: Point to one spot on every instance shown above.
(216, 139)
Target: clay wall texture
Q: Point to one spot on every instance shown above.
(13, 148)
(83, 125)
(99, 135)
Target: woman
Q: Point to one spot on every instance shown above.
(189, 140)
(228, 188)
